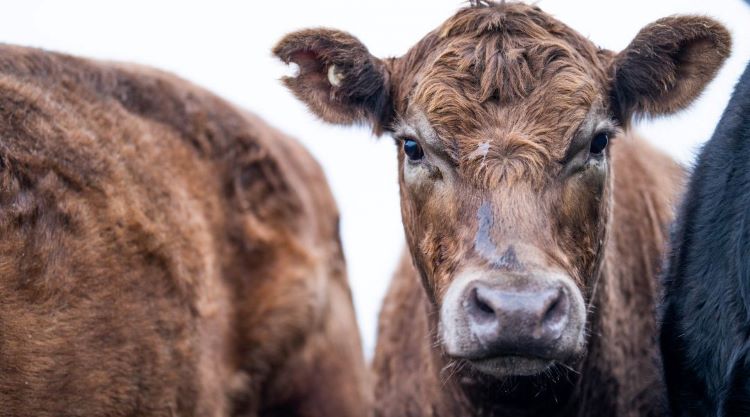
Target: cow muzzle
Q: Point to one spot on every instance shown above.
(506, 324)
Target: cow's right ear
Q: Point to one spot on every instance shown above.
(667, 65)
(338, 78)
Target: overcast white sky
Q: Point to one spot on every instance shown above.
(224, 46)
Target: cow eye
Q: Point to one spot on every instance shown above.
(599, 143)
(413, 150)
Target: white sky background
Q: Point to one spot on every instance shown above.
(225, 46)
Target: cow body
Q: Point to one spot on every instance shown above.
(620, 374)
(707, 280)
(162, 253)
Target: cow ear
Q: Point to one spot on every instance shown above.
(667, 66)
(338, 78)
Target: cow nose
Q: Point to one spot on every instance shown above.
(526, 322)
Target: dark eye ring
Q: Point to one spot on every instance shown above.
(599, 143)
(412, 149)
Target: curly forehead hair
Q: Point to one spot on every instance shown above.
(490, 61)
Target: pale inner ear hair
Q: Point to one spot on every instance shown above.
(334, 76)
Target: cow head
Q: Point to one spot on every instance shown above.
(504, 118)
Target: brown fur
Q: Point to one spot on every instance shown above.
(162, 253)
(501, 98)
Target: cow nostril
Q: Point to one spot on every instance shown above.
(479, 305)
(556, 312)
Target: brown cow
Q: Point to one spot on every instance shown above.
(534, 245)
(163, 253)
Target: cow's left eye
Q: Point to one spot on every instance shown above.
(413, 150)
(599, 143)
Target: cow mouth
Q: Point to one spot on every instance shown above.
(505, 366)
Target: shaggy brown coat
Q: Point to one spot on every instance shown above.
(163, 253)
(503, 103)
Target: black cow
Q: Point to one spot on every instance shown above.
(706, 313)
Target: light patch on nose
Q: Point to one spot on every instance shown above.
(483, 241)
(484, 245)
(334, 76)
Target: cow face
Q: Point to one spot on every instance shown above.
(504, 119)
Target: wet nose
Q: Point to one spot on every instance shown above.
(525, 322)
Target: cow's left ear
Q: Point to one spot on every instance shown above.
(338, 78)
(667, 66)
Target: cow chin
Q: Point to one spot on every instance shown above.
(507, 366)
(513, 325)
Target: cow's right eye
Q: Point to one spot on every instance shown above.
(599, 143)
(413, 150)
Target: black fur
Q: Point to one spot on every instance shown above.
(706, 314)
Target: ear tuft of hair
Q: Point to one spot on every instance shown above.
(485, 3)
